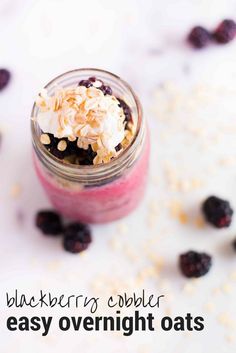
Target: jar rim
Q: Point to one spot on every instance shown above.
(93, 168)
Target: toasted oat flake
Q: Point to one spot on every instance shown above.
(45, 139)
(230, 338)
(16, 191)
(225, 319)
(189, 288)
(62, 145)
(97, 84)
(183, 217)
(232, 276)
(199, 222)
(115, 243)
(210, 307)
(226, 288)
(177, 211)
(122, 228)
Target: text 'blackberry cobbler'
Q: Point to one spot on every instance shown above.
(91, 146)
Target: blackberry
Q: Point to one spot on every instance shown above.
(85, 83)
(225, 32)
(106, 90)
(92, 79)
(194, 264)
(72, 146)
(199, 37)
(49, 222)
(4, 78)
(118, 147)
(77, 237)
(126, 110)
(217, 212)
(86, 157)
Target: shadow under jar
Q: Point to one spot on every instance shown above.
(95, 193)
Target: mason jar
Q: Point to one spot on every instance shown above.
(95, 193)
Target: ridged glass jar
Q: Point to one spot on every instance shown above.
(95, 193)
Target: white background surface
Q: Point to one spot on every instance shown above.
(189, 101)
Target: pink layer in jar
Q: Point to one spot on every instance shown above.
(103, 192)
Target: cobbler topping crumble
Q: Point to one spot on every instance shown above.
(84, 118)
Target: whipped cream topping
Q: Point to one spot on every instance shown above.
(85, 114)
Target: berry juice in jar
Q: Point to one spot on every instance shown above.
(91, 147)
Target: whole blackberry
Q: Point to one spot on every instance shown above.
(86, 157)
(106, 90)
(49, 222)
(199, 37)
(77, 237)
(217, 212)
(194, 264)
(225, 32)
(60, 154)
(126, 110)
(86, 83)
(4, 78)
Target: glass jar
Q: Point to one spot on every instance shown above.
(95, 193)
